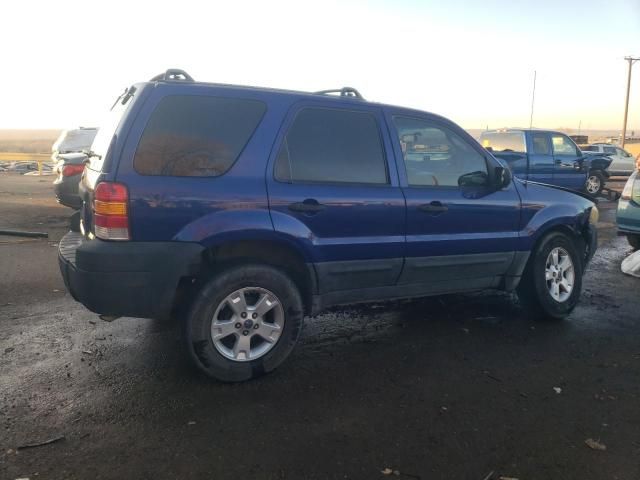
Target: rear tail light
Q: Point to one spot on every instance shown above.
(628, 190)
(631, 189)
(71, 170)
(111, 214)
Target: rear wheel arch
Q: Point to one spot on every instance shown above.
(275, 253)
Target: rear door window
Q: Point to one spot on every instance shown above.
(196, 136)
(541, 144)
(326, 145)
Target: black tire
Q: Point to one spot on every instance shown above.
(634, 241)
(197, 325)
(533, 290)
(597, 178)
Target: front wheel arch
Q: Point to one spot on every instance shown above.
(532, 288)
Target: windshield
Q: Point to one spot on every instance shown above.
(108, 126)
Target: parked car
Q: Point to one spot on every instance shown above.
(69, 159)
(238, 210)
(69, 169)
(73, 141)
(622, 162)
(547, 157)
(628, 215)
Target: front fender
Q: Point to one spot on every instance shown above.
(546, 208)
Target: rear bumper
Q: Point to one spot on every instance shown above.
(66, 190)
(135, 279)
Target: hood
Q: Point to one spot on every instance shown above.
(598, 160)
(564, 189)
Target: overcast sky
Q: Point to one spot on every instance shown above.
(64, 62)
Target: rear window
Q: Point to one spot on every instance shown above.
(332, 146)
(196, 136)
(74, 140)
(589, 148)
(503, 141)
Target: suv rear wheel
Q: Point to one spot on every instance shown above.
(552, 282)
(244, 323)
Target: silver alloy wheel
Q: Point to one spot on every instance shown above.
(593, 184)
(247, 324)
(559, 274)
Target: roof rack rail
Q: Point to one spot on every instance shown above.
(344, 92)
(173, 75)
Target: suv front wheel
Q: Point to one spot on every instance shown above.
(552, 282)
(594, 183)
(243, 323)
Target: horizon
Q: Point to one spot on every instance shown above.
(471, 63)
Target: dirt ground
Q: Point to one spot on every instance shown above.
(455, 387)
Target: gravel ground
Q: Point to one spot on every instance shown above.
(454, 387)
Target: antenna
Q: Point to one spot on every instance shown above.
(533, 99)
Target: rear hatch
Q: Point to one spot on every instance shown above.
(102, 156)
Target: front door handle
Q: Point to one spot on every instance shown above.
(309, 206)
(433, 207)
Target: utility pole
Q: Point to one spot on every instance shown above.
(631, 61)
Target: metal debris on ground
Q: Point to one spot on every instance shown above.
(595, 445)
(23, 233)
(631, 265)
(41, 444)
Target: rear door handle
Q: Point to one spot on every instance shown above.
(433, 207)
(309, 206)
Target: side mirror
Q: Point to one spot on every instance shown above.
(473, 179)
(503, 177)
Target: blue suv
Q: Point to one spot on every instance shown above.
(238, 210)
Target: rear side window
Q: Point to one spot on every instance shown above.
(589, 148)
(541, 144)
(611, 150)
(332, 146)
(196, 136)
